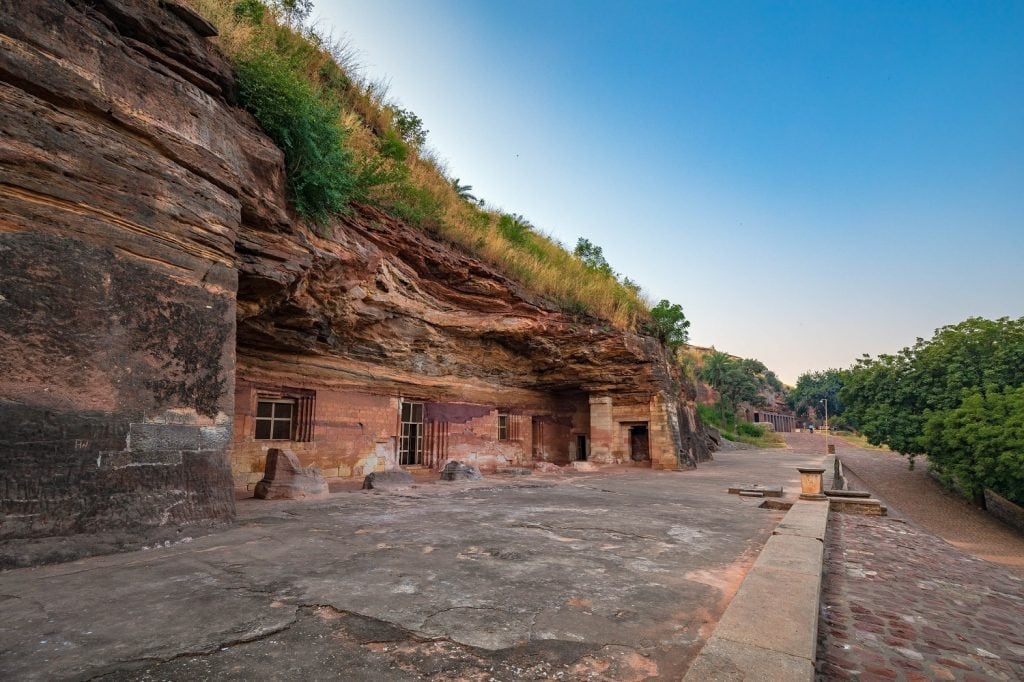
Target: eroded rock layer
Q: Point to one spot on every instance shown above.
(150, 271)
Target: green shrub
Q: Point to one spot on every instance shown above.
(748, 429)
(392, 146)
(980, 444)
(416, 205)
(321, 177)
(251, 10)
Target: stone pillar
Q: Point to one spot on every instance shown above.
(664, 448)
(602, 429)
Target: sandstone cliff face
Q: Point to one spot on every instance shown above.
(147, 255)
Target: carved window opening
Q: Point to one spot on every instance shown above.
(510, 426)
(274, 419)
(410, 446)
(285, 415)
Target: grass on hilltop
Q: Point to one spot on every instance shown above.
(343, 142)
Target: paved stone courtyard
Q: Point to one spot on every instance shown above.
(900, 603)
(935, 591)
(611, 576)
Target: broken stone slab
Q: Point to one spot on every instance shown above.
(458, 471)
(776, 505)
(584, 466)
(388, 480)
(847, 493)
(284, 478)
(751, 493)
(514, 471)
(766, 491)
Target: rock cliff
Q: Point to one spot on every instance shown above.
(147, 254)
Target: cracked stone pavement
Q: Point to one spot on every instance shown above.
(610, 575)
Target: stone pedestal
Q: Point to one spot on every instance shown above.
(810, 483)
(285, 479)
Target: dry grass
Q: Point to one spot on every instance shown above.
(417, 186)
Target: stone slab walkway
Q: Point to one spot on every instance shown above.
(606, 576)
(914, 596)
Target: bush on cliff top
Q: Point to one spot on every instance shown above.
(344, 141)
(304, 124)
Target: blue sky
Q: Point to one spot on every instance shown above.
(809, 180)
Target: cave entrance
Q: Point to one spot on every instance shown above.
(581, 447)
(639, 443)
(410, 447)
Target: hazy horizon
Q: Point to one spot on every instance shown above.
(809, 181)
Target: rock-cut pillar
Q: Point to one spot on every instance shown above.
(602, 428)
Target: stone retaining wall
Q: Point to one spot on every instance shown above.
(1004, 510)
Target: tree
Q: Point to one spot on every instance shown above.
(813, 387)
(736, 380)
(295, 12)
(409, 126)
(592, 256)
(670, 324)
(891, 398)
(464, 191)
(980, 443)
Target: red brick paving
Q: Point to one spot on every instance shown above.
(899, 602)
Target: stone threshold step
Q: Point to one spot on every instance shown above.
(766, 491)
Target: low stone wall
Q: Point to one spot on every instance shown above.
(769, 631)
(1004, 510)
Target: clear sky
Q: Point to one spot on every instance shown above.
(810, 180)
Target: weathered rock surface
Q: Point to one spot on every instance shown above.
(287, 479)
(147, 254)
(458, 471)
(387, 480)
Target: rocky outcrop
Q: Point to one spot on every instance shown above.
(147, 257)
(286, 479)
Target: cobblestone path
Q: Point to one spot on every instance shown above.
(902, 597)
(900, 604)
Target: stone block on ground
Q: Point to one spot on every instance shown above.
(584, 466)
(285, 478)
(765, 490)
(388, 480)
(458, 471)
(547, 467)
(858, 505)
(514, 471)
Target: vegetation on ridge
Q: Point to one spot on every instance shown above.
(344, 141)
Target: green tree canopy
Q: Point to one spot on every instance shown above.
(980, 443)
(593, 256)
(670, 325)
(813, 387)
(929, 398)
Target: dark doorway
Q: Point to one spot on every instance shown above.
(639, 444)
(581, 448)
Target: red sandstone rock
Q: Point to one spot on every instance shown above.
(149, 265)
(286, 479)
